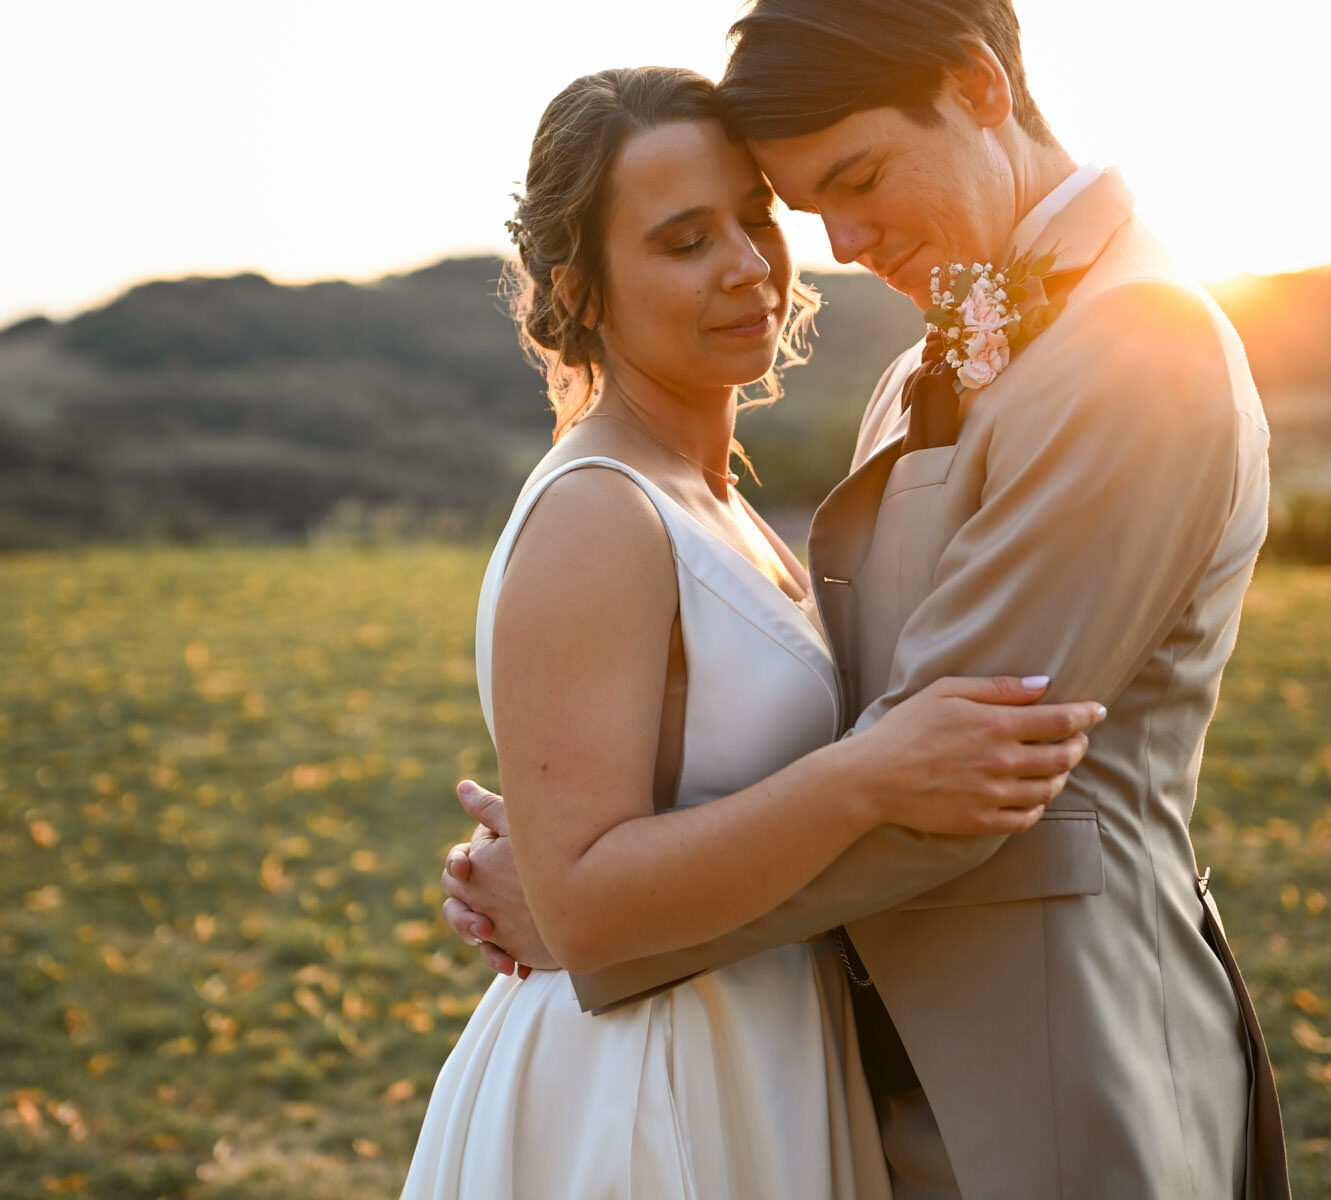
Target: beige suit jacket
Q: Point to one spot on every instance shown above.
(1065, 996)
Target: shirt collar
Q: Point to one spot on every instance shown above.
(1034, 223)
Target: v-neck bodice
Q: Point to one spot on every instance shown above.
(761, 683)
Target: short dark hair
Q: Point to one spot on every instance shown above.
(798, 66)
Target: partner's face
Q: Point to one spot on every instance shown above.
(697, 282)
(898, 197)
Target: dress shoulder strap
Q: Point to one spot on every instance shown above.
(494, 573)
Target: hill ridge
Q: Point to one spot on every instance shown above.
(235, 404)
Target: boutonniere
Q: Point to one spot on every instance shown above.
(975, 318)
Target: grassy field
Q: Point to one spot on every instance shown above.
(225, 794)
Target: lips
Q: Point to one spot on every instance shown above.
(889, 270)
(750, 324)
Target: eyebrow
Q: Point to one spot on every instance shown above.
(835, 169)
(759, 191)
(679, 218)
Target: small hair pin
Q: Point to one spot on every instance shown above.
(516, 230)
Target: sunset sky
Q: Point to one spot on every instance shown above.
(321, 138)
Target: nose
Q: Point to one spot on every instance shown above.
(847, 238)
(748, 267)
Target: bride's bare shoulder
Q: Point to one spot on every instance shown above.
(593, 527)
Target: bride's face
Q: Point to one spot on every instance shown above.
(697, 278)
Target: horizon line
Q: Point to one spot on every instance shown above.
(20, 314)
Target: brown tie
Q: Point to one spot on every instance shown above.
(930, 394)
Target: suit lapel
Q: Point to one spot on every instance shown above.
(838, 541)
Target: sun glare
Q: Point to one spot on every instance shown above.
(341, 144)
(1198, 104)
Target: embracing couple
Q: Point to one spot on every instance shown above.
(873, 880)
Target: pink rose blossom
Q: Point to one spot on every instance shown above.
(986, 356)
(979, 312)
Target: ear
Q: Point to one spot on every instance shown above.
(570, 288)
(981, 86)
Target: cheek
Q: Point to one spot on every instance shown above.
(783, 282)
(779, 262)
(657, 311)
(640, 293)
(780, 268)
(965, 195)
(923, 196)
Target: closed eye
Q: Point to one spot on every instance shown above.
(867, 185)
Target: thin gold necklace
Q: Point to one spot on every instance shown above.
(730, 478)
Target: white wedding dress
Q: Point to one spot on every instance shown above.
(740, 1084)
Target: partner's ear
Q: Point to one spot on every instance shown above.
(981, 86)
(571, 289)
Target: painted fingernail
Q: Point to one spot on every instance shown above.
(1035, 683)
(1101, 712)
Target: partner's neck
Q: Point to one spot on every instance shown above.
(1037, 170)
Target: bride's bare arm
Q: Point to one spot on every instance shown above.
(581, 643)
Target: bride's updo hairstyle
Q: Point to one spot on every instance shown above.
(561, 220)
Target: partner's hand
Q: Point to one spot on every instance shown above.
(473, 927)
(976, 756)
(486, 906)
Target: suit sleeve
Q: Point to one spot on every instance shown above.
(1105, 498)
(1106, 494)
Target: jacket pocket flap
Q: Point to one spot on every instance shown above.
(1058, 856)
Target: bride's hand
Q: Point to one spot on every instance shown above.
(974, 756)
